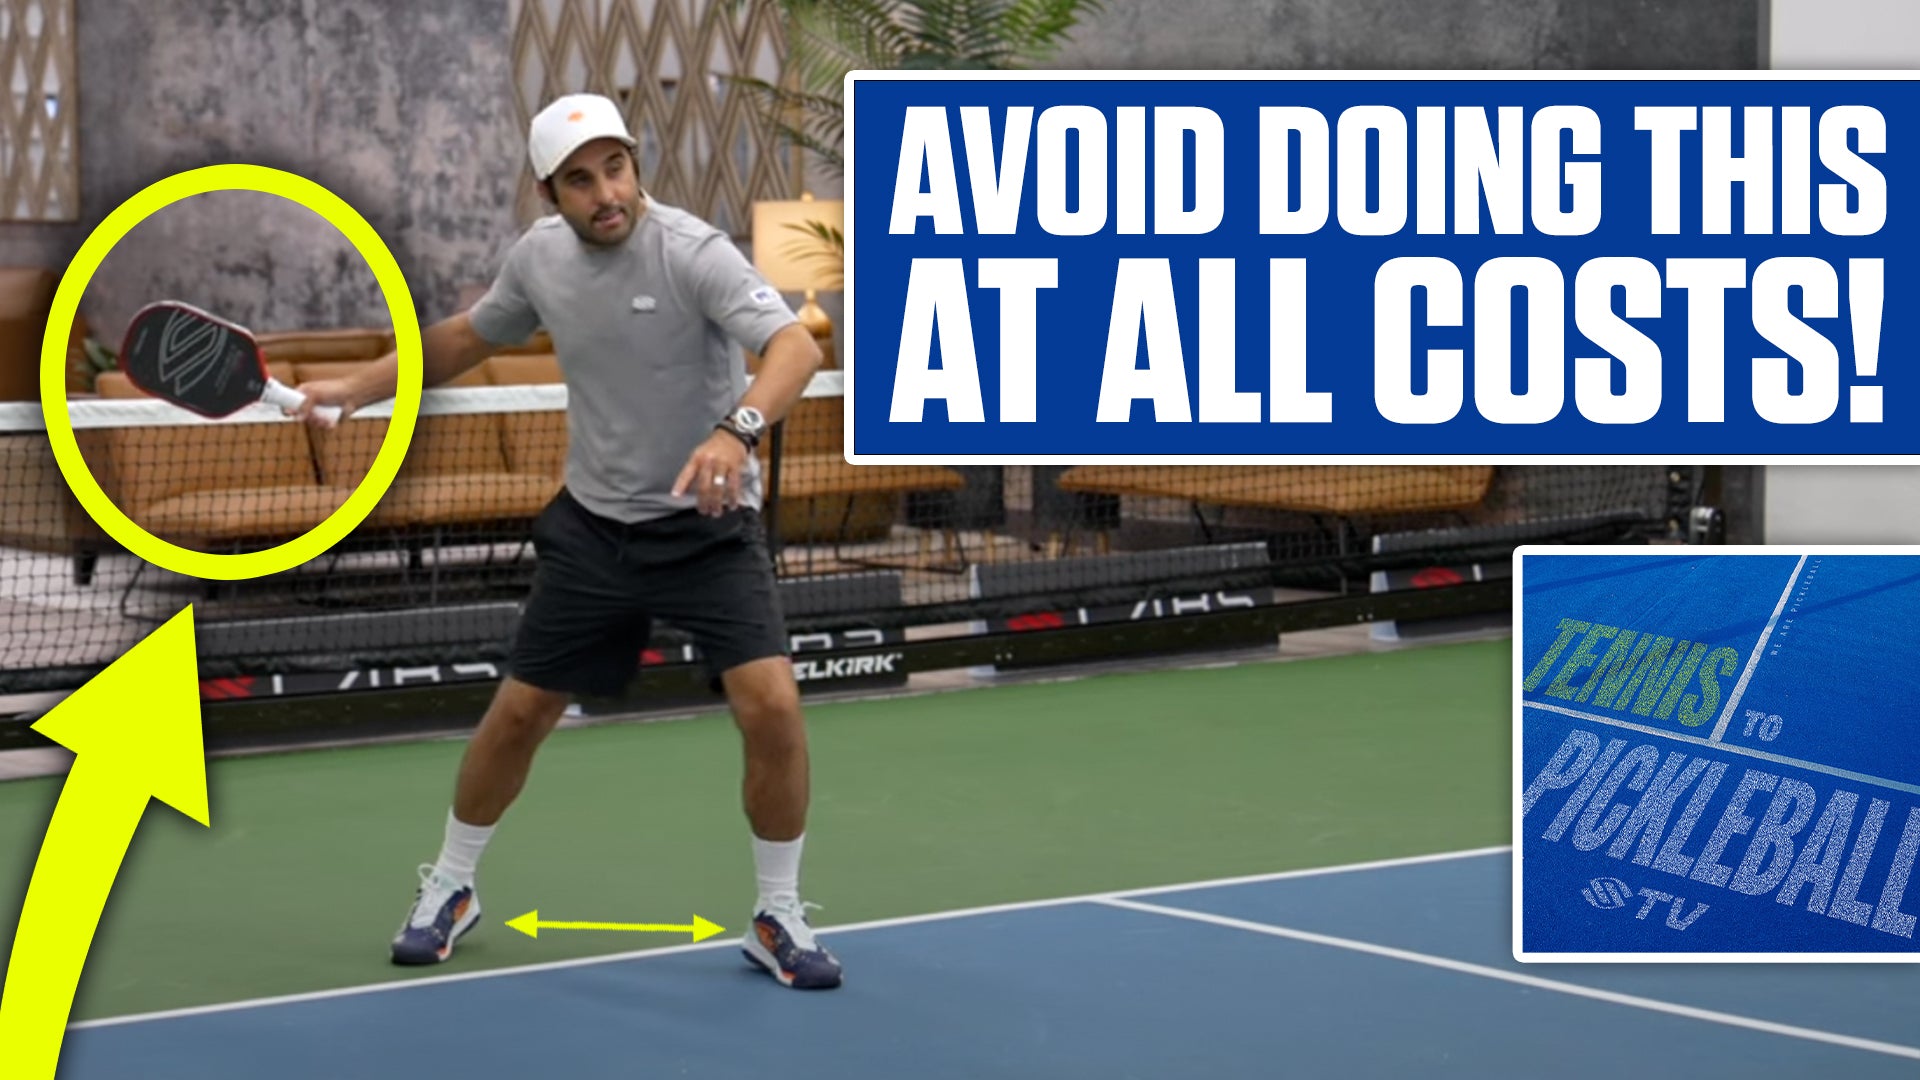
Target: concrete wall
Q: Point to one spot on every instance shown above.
(403, 110)
(1346, 34)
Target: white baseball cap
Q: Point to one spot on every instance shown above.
(567, 124)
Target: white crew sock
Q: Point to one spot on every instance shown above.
(460, 856)
(777, 865)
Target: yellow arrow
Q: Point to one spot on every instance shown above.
(531, 925)
(135, 733)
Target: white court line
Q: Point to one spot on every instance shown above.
(1574, 989)
(1731, 748)
(1760, 646)
(733, 942)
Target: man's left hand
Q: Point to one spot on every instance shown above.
(714, 474)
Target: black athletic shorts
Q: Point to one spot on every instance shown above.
(599, 585)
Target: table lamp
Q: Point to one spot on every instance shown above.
(790, 251)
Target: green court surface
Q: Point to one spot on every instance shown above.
(921, 804)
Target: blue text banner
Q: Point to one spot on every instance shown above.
(1287, 267)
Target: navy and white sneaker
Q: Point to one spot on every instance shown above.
(782, 943)
(443, 911)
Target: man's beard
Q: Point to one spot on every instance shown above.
(588, 233)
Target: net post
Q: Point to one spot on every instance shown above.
(772, 494)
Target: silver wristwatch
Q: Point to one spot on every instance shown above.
(748, 423)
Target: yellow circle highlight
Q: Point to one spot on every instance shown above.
(53, 387)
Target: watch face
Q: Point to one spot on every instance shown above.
(750, 418)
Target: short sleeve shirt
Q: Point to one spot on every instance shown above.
(649, 337)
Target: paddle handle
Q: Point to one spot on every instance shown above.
(279, 393)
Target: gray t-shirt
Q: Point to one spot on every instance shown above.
(648, 337)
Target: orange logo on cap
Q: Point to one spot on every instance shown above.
(576, 117)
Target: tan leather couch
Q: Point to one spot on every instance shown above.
(215, 487)
(26, 293)
(38, 511)
(457, 469)
(244, 486)
(236, 487)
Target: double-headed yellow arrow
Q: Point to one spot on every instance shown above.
(135, 733)
(531, 925)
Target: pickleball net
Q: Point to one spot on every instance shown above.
(435, 572)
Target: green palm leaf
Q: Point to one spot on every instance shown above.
(828, 38)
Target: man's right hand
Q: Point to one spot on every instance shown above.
(340, 392)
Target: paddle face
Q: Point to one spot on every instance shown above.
(198, 361)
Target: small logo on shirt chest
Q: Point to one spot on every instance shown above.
(644, 303)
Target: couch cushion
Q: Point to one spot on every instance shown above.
(809, 475)
(26, 293)
(540, 342)
(241, 513)
(1314, 489)
(39, 510)
(469, 498)
(150, 465)
(516, 369)
(441, 446)
(307, 345)
(441, 443)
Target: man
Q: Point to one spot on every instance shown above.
(659, 514)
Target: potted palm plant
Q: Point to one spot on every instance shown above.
(828, 38)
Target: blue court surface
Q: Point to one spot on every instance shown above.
(1387, 969)
(1718, 754)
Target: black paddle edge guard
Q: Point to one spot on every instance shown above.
(450, 708)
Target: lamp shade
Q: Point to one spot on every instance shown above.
(787, 249)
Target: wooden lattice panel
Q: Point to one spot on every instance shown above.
(703, 143)
(39, 176)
